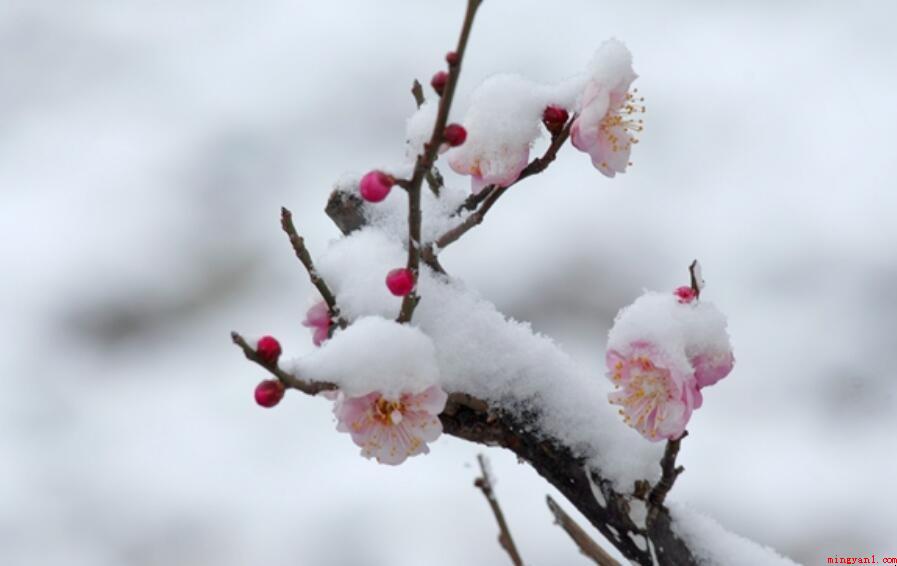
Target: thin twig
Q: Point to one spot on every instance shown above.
(484, 483)
(669, 473)
(694, 270)
(433, 177)
(585, 543)
(473, 200)
(425, 162)
(298, 243)
(494, 192)
(288, 379)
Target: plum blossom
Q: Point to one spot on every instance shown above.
(392, 428)
(662, 351)
(711, 367)
(607, 118)
(656, 395)
(501, 168)
(502, 122)
(318, 317)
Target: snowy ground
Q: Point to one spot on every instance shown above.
(145, 150)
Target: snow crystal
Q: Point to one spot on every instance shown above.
(373, 354)
(712, 544)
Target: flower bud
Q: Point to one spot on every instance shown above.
(438, 82)
(554, 119)
(375, 186)
(400, 281)
(269, 393)
(268, 349)
(454, 134)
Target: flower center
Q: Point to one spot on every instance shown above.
(388, 412)
(646, 388)
(622, 121)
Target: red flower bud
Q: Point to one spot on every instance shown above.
(554, 119)
(400, 281)
(269, 393)
(268, 349)
(375, 186)
(452, 58)
(685, 294)
(438, 82)
(454, 134)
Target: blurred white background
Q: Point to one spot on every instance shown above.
(145, 149)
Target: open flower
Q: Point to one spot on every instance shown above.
(661, 353)
(318, 317)
(608, 111)
(656, 396)
(502, 122)
(392, 428)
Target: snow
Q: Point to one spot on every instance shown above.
(373, 354)
(712, 544)
(503, 120)
(482, 352)
(505, 114)
(638, 512)
(611, 66)
(419, 128)
(681, 330)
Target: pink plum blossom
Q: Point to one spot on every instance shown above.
(392, 428)
(662, 351)
(712, 366)
(501, 169)
(318, 317)
(656, 395)
(606, 122)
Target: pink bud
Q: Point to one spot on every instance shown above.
(438, 82)
(454, 134)
(375, 185)
(452, 58)
(268, 349)
(685, 294)
(400, 281)
(269, 393)
(554, 119)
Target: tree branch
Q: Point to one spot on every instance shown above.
(425, 162)
(298, 243)
(585, 543)
(288, 379)
(669, 473)
(472, 419)
(484, 483)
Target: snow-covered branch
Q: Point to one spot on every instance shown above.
(450, 362)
